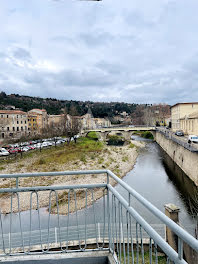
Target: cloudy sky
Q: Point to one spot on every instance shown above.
(143, 51)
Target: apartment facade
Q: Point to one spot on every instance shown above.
(41, 119)
(13, 123)
(179, 111)
(189, 124)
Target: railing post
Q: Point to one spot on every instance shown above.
(108, 213)
(17, 182)
(172, 211)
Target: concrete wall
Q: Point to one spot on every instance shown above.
(185, 159)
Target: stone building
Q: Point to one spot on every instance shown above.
(189, 123)
(13, 123)
(179, 111)
(41, 122)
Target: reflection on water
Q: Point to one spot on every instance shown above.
(155, 176)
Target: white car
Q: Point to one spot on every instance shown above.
(25, 149)
(44, 144)
(4, 152)
(192, 138)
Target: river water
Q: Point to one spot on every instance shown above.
(155, 176)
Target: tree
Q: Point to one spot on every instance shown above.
(71, 123)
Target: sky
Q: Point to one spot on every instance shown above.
(134, 51)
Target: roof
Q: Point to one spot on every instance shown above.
(184, 103)
(36, 109)
(16, 112)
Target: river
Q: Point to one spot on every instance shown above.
(155, 176)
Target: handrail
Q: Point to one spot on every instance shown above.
(151, 232)
(184, 235)
(58, 173)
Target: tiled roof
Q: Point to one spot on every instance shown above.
(17, 112)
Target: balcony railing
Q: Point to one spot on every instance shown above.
(110, 224)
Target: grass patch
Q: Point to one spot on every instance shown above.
(83, 158)
(2, 168)
(161, 258)
(100, 160)
(125, 159)
(131, 145)
(93, 135)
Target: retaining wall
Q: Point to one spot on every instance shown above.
(184, 158)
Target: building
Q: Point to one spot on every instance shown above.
(13, 123)
(189, 124)
(41, 117)
(102, 122)
(179, 111)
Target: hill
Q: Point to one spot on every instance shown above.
(54, 106)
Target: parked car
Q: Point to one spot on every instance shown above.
(4, 152)
(13, 150)
(192, 138)
(179, 133)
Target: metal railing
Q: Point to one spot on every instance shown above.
(109, 224)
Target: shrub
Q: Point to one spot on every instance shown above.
(93, 135)
(115, 140)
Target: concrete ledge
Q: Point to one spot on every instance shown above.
(63, 258)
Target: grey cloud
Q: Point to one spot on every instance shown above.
(22, 54)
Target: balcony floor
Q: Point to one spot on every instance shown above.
(68, 258)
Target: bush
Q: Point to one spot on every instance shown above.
(115, 140)
(147, 134)
(93, 135)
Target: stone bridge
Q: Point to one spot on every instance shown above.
(125, 132)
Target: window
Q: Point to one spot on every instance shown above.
(21, 122)
(17, 128)
(8, 128)
(21, 128)
(17, 116)
(28, 119)
(13, 128)
(7, 116)
(25, 127)
(25, 122)
(17, 121)
(1, 116)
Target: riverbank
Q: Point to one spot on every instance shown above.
(83, 156)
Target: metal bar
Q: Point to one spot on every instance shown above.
(2, 236)
(123, 241)
(132, 251)
(108, 214)
(184, 235)
(180, 248)
(142, 246)
(52, 188)
(119, 219)
(76, 213)
(113, 223)
(95, 224)
(156, 256)
(150, 250)
(150, 231)
(67, 243)
(137, 243)
(59, 173)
